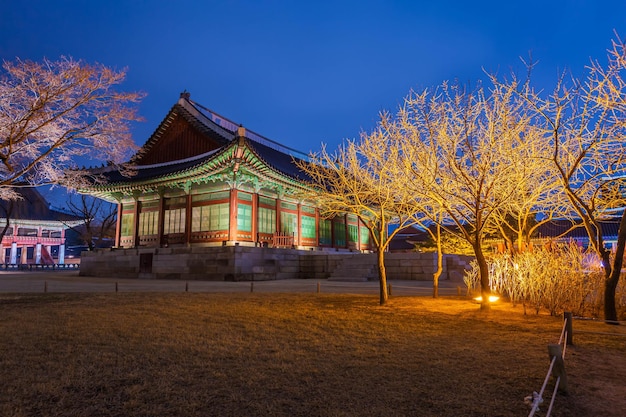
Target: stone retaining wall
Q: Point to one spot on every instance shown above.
(240, 263)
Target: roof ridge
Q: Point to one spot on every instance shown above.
(178, 161)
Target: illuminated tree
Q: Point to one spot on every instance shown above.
(425, 211)
(360, 178)
(537, 197)
(462, 148)
(584, 124)
(56, 111)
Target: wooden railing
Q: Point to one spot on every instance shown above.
(32, 240)
(283, 240)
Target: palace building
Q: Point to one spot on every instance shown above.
(201, 180)
(35, 234)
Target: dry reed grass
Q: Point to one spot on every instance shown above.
(290, 355)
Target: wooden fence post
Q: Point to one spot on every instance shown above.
(569, 328)
(558, 371)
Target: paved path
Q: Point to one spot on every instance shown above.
(70, 281)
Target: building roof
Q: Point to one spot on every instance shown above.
(193, 141)
(32, 206)
(567, 229)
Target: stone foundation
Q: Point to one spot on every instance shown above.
(241, 263)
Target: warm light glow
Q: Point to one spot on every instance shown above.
(492, 298)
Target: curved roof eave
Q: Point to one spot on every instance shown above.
(193, 169)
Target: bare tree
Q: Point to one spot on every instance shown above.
(360, 178)
(6, 212)
(56, 111)
(99, 218)
(463, 149)
(425, 211)
(584, 123)
(538, 197)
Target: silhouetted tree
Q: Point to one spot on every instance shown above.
(99, 219)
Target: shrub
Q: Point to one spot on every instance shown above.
(562, 278)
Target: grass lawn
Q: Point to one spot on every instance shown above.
(187, 354)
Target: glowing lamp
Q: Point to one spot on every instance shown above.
(492, 298)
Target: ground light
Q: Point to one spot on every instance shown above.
(492, 298)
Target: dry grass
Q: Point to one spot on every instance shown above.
(291, 355)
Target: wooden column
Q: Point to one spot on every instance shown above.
(160, 225)
(118, 226)
(136, 213)
(188, 220)
(278, 225)
(255, 218)
(232, 222)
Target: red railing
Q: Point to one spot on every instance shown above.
(283, 240)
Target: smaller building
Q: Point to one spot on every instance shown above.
(35, 234)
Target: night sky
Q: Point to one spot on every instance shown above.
(300, 72)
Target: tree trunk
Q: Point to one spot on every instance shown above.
(485, 291)
(439, 270)
(8, 211)
(382, 276)
(610, 284)
(4, 229)
(521, 242)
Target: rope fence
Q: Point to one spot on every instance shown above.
(40, 267)
(556, 369)
(67, 284)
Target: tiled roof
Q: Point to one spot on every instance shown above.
(278, 160)
(278, 157)
(33, 206)
(149, 172)
(561, 229)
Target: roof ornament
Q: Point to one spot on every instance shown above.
(241, 131)
(185, 94)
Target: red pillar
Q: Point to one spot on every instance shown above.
(278, 225)
(118, 226)
(160, 225)
(136, 213)
(188, 220)
(232, 222)
(255, 218)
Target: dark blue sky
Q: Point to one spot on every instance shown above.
(303, 73)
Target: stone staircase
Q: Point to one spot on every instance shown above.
(355, 268)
